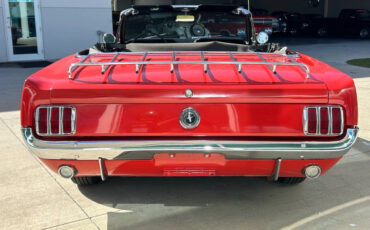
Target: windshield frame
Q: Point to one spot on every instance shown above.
(201, 9)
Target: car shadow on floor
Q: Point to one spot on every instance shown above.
(218, 203)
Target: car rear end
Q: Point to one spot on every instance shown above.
(189, 114)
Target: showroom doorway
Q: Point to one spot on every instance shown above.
(23, 30)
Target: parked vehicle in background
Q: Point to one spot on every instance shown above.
(351, 22)
(264, 22)
(169, 96)
(314, 21)
(296, 23)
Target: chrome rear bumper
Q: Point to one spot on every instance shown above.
(119, 150)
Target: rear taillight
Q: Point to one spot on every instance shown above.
(55, 120)
(323, 120)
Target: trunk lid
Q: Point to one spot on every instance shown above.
(253, 102)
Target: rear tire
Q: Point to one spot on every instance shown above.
(364, 33)
(293, 32)
(291, 180)
(322, 32)
(84, 181)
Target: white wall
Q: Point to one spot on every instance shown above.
(71, 25)
(3, 45)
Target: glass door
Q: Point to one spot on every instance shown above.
(23, 23)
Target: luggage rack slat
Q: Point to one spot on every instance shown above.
(138, 66)
(71, 69)
(173, 54)
(107, 67)
(273, 68)
(173, 59)
(234, 59)
(307, 72)
(205, 66)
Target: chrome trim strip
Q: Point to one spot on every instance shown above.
(305, 121)
(185, 6)
(342, 119)
(48, 119)
(111, 150)
(101, 168)
(205, 64)
(330, 114)
(61, 128)
(73, 121)
(318, 120)
(275, 176)
(37, 120)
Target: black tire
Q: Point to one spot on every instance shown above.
(83, 181)
(293, 32)
(291, 180)
(364, 33)
(322, 32)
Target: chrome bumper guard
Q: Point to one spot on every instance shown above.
(121, 150)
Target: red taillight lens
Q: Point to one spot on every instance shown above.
(323, 120)
(337, 120)
(42, 121)
(312, 120)
(67, 120)
(55, 120)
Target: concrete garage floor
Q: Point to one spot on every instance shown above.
(32, 197)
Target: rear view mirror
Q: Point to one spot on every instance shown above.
(185, 18)
(262, 38)
(109, 38)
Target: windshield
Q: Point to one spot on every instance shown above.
(178, 26)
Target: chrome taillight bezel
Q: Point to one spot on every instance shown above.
(318, 120)
(60, 128)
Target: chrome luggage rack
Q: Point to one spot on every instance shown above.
(238, 64)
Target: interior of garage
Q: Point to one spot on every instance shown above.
(327, 8)
(319, 18)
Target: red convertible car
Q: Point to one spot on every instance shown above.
(168, 97)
